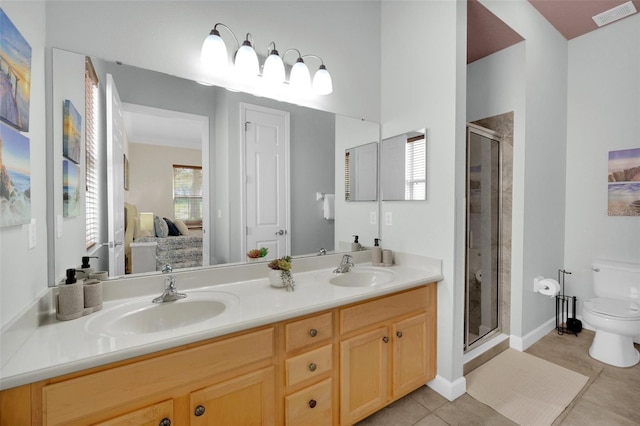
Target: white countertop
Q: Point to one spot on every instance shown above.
(54, 348)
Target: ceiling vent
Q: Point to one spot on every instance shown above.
(615, 14)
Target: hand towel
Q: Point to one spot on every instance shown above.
(329, 206)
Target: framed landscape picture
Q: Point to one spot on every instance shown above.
(15, 75)
(624, 182)
(15, 178)
(71, 189)
(71, 134)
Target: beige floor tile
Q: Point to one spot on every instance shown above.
(586, 413)
(426, 396)
(468, 411)
(616, 396)
(404, 412)
(431, 420)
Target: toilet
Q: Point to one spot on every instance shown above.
(614, 313)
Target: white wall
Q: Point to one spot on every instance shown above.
(604, 115)
(167, 36)
(23, 272)
(426, 89)
(539, 165)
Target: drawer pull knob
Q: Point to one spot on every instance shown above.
(399, 334)
(165, 422)
(312, 403)
(312, 367)
(313, 332)
(199, 411)
(385, 339)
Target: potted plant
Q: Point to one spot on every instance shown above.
(280, 273)
(256, 254)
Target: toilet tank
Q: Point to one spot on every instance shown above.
(616, 280)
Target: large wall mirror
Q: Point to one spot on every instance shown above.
(404, 167)
(170, 122)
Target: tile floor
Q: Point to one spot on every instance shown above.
(610, 397)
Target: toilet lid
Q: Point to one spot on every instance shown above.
(614, 307)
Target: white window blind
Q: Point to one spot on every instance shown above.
(91, 148)
(415, 165)
(187, 194)
(347, 177)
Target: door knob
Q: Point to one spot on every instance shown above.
(281, 232)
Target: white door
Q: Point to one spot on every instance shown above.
(266, 147)
(115, 177)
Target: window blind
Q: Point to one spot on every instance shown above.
(187, 194)
(415, 165)
(91, 148)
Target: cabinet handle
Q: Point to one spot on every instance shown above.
(313, 332)
(312, 403)
(385, 339)
(312, 367)
(199, 411)
(165, 422)
(399, 334)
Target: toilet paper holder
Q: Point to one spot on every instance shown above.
(546, 286)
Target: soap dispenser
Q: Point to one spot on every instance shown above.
(70, 298)
(376, 253)
(355, 245)
(85, 269)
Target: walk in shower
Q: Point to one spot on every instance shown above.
(483, 241)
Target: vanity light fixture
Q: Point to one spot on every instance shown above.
(214, 56)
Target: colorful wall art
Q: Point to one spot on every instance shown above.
(71, 133)
(15, 178)
(624, 182)
(15, 75)
(71, 190)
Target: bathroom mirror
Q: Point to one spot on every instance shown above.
(404, 167)
(361, 172)
(312, 162)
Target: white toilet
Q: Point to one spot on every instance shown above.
(614, 312)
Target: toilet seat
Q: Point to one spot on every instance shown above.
(623, 310)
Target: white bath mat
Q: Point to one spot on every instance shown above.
(524, 388)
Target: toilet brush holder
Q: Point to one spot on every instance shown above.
(92, 296)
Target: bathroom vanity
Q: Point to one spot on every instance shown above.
(333, 355)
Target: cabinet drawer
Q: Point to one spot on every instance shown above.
(308, 331)
(384, 309)
(309, 364)
(76, 398)
(310, 406)
(151, 416)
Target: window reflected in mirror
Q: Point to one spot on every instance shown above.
(361, 173)
(404, 167)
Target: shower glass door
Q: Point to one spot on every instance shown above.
(483, 236)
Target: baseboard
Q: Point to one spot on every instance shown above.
(522, 343)
(449, 390)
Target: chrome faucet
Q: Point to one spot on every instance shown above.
(322, 252)
(345, 265)
(170, 293)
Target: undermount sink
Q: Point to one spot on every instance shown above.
(142, 316)
(361, 277)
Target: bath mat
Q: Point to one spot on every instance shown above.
(524, 388)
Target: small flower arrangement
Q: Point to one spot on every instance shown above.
(257, 253)
(283, 265)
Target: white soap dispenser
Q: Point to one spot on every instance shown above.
(376, 253)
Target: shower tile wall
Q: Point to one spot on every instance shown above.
(503, 124)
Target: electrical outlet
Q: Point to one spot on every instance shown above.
(373, 218)
(388, 218)
(59, 222)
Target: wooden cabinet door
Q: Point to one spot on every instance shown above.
(364, 364)
(160, 414)
(410, 354)
(244, 400)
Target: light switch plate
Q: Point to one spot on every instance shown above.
(373, 218)
(32, 234)
(388, 218)
(59, 222)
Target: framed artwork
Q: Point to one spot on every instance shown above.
(15, 75)
(125, 165)
(15, 178)
(71, 189)
(624, 183)
(71, 132)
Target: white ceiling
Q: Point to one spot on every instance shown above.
(162, 127)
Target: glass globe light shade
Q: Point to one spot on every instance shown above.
(322, 84)
(300, 79)
(247, 61)
(214, 52)
(273, 71)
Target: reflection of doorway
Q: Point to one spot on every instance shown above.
(266, 187)
(155, 132)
